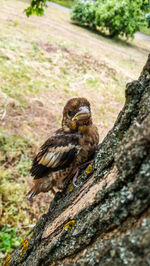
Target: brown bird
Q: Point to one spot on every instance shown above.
(63, 154)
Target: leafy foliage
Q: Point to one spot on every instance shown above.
(146, 6)
(8, 238)
(84, 12)
(148, 19)
(118, 18)
(36, 8)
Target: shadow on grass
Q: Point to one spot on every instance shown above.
(115, 39)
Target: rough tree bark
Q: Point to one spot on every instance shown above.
(106, 219)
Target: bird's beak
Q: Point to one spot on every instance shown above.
(83, 114)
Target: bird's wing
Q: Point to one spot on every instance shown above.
(55, 154)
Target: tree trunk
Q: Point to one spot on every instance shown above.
(106, 219)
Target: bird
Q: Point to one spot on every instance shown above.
(67, 151)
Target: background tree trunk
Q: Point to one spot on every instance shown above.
(106, 219)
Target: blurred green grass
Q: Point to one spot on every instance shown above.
(66, 3)
(145, 30)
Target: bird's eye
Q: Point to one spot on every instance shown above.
(70, 113)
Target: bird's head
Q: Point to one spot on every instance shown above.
(76, 115)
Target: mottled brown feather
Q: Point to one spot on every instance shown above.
(71, 146)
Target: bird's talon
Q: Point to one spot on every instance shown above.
(75, 184)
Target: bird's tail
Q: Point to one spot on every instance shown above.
(40, 185)
(31, 194)
(36, 189)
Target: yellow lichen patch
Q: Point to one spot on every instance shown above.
(68, 226)
(6, 262)
(89, 169)
(70, 188)
(25, 244)
(143, 110)
(29, 237)
(121, 136)
(98, 255)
